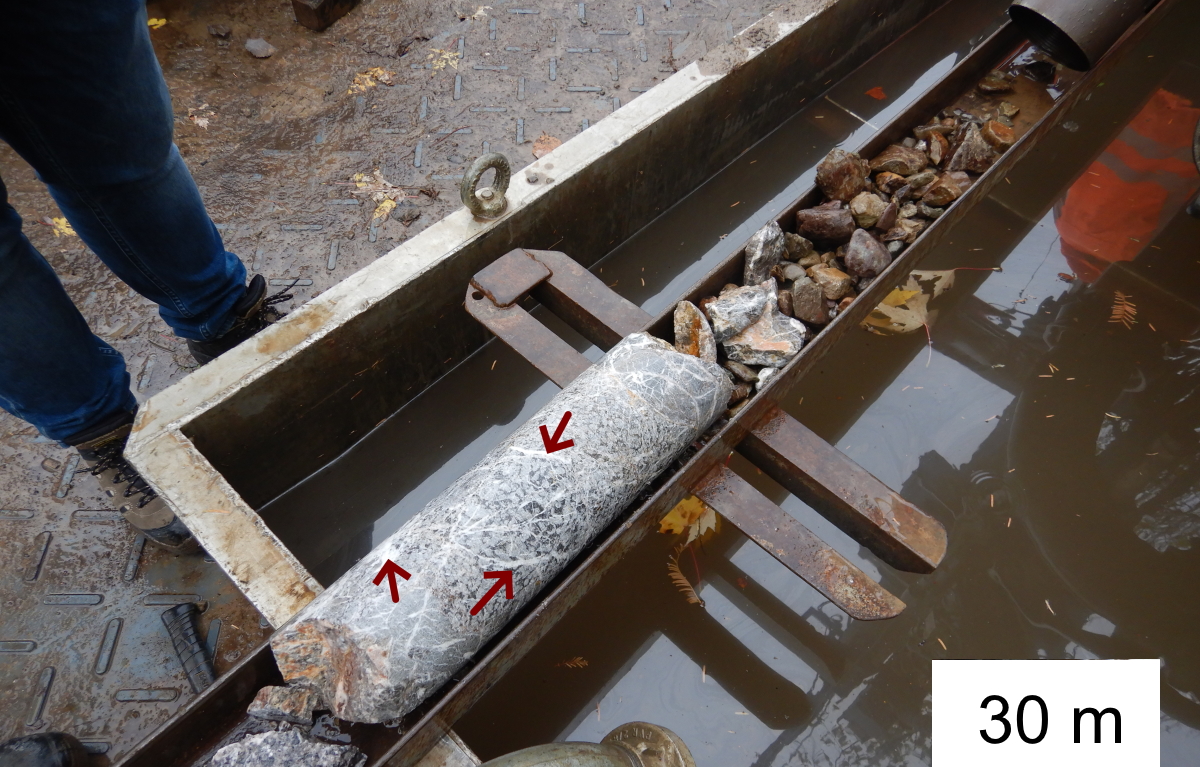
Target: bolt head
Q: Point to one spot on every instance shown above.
(532, 178)
(486, 194)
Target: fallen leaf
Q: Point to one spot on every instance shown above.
(691, 516)
(544, 145)
(156, 23)
(442, 59)
(62, 228)
(877, 93)
(479, 14)
(386, 206)
(942, 280)
(576, 662)
(370, 78)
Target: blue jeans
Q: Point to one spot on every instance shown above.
(83, 101)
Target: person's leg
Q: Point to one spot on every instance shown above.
(82, 99)
(54, 372)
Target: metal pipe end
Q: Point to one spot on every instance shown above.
(1049, 37)
(651, 745)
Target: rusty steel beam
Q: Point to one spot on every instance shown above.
(796, 547)
(553, 357)
(845, 493)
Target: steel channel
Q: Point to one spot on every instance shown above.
(224, 702)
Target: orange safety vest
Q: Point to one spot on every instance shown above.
(1140, 181)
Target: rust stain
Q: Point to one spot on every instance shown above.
(293, 329)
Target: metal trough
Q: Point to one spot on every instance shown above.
(243, 429)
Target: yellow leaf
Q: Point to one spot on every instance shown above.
(898, 297)
(685, 514)
(384, 208)
(942, 280)
(156, 23)
(62, 228)
(370, 78)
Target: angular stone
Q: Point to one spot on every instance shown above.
(286, 748)
(734, 310)
(939, 147)
(764, 251)
(1000, 136)
(785, 302)
(808, 302)
(995, 82)
(260, 48)
(905, 192)
(740, 392)
(887, 219)
(937, 126)
(866, 209)
(825, 225)
(764, 376)
(741, 372)
(906, 230)
(973, 154)
(945, 190)
(285, 704)
(692, 333)
(841, 175)
(812, 259)
(773, 340)
(1008, 109)
(219, 30)
(865, 257)
(888, 182)
(900, 159)
(908, 210)
(787, 271)
(519, 509)
(833, 281)
(922, 179)
(797, 247)
(929, 212)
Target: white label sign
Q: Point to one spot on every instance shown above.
(1092, 713)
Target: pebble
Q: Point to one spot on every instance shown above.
(929, 212)
(948, 188)
(787, 272)
(764, 251)
(995, 82)
(895, 246)
(888, 182)
(909, 210)
(740, 392)
(260, 48)
(905, 230)
(808, 302)
(998, 135)
(900, 159)
(866, 209)
(973, 154)
(1008, 109)
(865, 257)
(940, 127)
(833, 281)
(219, 30)
(692, 332)
(734, 310)
(841, 175)
(764, 376)
(797, 247)
(741, 372)
(939, 147)
(888, 218)
(922, 179)
(785, 302)
(826, 225)
(286, 704)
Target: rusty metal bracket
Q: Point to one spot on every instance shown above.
(806, 465)
(559, 283)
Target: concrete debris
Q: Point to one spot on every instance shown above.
(797, 247)
(772, 340)
(285, 704)
(734, 310)
(521, 510)
(973, 154)
(260, 48)
(900, 159)
(288, 748)
(765, 250)
(834, 282)
(998, 135)
(692, 333)
(842, 175)
(808, 302)
(867, 209)
(827, 225)
(865, 257)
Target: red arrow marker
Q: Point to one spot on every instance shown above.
(504, 578)
(552, 443)
(391, 570)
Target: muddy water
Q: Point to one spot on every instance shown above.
(1058, 448)
(376, 486)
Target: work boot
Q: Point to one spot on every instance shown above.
(46, 749)
(103, 451)
(255, 311)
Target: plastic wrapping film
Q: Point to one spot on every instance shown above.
(521, 509)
